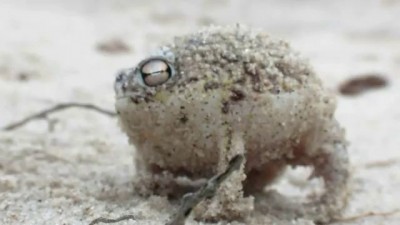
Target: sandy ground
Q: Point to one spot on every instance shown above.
(76, 165)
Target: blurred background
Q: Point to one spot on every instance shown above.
(78, 163)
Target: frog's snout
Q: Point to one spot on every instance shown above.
(121, 82)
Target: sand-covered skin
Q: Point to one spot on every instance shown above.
(81, 167)
(232, 90)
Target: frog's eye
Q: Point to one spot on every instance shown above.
(155, 72)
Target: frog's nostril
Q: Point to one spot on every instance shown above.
(124, 86)
(121, 83)
(121, 76)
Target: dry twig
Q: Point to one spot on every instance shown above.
(56, 108)
(382, 163)
(105, 220)
(367, 214)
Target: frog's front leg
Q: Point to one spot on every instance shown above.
(229, 202)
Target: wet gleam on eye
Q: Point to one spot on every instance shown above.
(155, 72)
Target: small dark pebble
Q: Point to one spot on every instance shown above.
(358, 85)
(113, 46)
(23, 76)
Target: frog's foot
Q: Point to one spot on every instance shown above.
(163, 184)
(332, 165)
(222, 208)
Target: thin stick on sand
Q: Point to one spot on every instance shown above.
(365, 215)
(57, 108)
(105, 220)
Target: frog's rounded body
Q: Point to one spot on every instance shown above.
(234, 91)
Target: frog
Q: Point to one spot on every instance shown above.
(196, 102)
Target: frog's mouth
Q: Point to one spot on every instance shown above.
(135, 98)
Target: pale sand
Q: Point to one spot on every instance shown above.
(82, 167)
